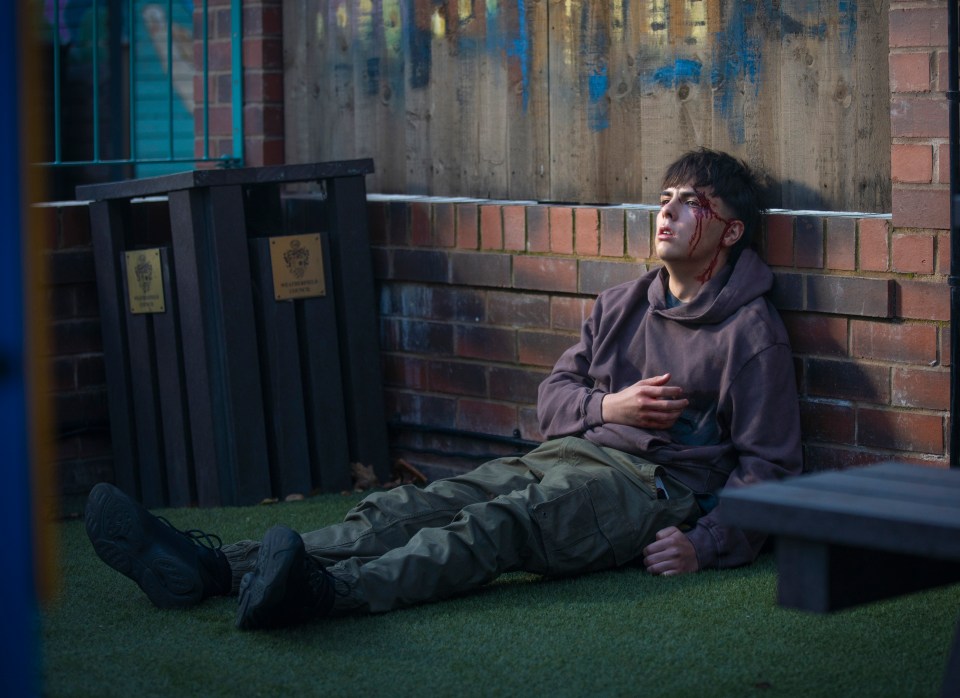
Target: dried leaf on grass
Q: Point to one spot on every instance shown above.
(405, 474)
(363, 477)
(402, 473)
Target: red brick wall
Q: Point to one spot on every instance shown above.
(262, 81)
(83, 450)
(918, 114)
(478, 301)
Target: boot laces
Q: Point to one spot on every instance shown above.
(320, 583)
(201, 538)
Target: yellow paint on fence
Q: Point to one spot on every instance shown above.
(438, 24)
(343, 16)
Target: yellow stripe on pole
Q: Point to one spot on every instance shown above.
(37, 314)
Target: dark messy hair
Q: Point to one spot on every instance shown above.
(731, 180)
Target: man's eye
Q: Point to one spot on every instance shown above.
(664, 202)
(693, 203)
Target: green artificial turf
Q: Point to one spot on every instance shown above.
(618, 633)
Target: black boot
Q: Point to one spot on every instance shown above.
(174, 568)
(286, 587)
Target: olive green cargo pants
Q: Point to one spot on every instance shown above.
(566, 507)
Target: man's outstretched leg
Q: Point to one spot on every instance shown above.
(588, 510)
(174, 568)
(287, 586)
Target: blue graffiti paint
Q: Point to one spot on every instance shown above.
(682, 70)
(598, 114)
(519, 48)
(598, 86)
(736, 61)
(419, 43)
(596, 45)
(495, 40)
(790, 25)
(380, 55)
(847, 9)
(372, 81)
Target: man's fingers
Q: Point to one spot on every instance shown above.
(662, 392)
(667, 405)
(667, 532)
(661, 541)
(660, 563)
(659, 418)
(655, 380)
(671, 553)
(657, 387)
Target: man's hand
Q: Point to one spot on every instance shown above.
(649, 404)
(671, 553)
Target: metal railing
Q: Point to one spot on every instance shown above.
(124, 88)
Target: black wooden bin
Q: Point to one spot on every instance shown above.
(219, 392)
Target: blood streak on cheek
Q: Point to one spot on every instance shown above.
(707, 273)
(703, 214)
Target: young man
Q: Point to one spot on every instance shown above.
(682, 383)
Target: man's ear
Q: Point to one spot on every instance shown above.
(732, 233)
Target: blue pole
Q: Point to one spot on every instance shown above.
(18, 651)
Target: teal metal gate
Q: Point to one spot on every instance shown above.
(134, 86)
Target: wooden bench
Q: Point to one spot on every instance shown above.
(853, 536)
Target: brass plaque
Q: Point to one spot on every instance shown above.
(145, 281)
(297, 262)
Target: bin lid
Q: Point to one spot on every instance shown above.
(274, 174)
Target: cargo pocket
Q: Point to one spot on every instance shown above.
(578, 533)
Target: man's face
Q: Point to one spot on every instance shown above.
(695, 231)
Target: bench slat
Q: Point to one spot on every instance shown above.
(941, 477)
(883, 489)
(828, 507)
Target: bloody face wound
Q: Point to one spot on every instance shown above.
(692, 235)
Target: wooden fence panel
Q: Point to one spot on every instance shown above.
(569, 100)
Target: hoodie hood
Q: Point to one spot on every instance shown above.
(733, 287)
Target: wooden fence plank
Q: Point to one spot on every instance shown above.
(443, 146)
(567, 100)
(528, 107)
(374, 80)
(572, 177)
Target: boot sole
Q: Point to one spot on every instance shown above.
(262, 591)
(117, 533)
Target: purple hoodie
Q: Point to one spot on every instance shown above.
(729, 352)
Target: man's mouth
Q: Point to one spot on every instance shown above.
(665, 233)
